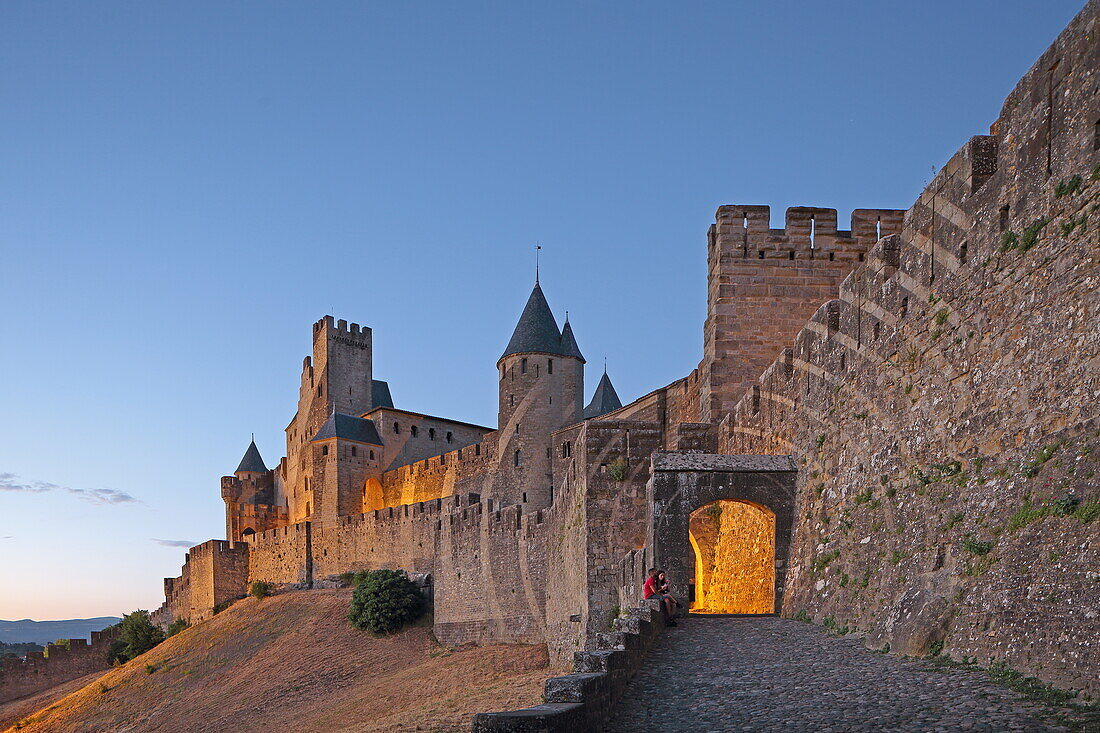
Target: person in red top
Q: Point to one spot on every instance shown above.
(652, 589)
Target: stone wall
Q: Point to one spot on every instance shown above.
(764, 283)
(944, 409)
(56, 664)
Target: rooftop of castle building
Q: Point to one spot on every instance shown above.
(252, 460)
(604, 400)
(380, 393)
(348, 427)
(391, 409)
(537, 330)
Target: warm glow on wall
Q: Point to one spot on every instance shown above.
(734, 544)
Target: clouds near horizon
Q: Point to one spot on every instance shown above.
(12, 482)
(174, 543)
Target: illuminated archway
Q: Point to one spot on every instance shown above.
(734, 546)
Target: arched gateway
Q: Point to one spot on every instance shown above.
(721, 526)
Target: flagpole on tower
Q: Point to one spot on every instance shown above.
(537, 248)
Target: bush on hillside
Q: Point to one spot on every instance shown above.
(177, 626)
(136, 635)
(384, 601)
(259, 589)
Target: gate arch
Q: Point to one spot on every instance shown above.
(682, 483)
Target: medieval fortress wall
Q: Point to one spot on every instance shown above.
(933, 374)
(944, 405)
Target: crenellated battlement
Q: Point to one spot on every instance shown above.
(57, 663)
(744, 231)
(329, 326)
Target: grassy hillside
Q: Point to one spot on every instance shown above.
(291, 662)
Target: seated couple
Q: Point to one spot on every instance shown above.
(656, 586)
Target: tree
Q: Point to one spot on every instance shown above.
(136, 635)
(384, 601)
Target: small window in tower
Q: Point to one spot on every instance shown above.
(372, 455)
(518, 425)
(307, 509)
(1003, 221)
(320, 389)
(548, 453)
(549, 366)
(536, 370)
(1096, 136)
(414, 430)
(523, 366)
(396, 428)
(324, 450)
(353, 451)
(511, 400)
(477, 449)
(524, 497)
(431, 433)
(450, 437)
(516, 460)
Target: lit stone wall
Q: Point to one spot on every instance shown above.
(734, 545)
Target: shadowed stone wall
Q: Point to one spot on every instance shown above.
(943, 410)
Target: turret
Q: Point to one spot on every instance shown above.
(541, 389)
(250, 502)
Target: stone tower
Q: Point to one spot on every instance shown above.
(337, 375)
(541, 389)
(345, 451)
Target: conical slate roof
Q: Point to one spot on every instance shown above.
(605, 399)
(252, 460)
(537, 330)
(348, 427)
(568, 343)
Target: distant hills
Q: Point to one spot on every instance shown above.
(43, 632)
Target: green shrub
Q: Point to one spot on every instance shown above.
(1009, 241)
(978, 547)
(803, 616)
(385, 601)
(259, 589)
(136, 635)
(822, 561)
(177, 626)
(1031, 234)
(1068, 187)
(617, 469)
(218, 608)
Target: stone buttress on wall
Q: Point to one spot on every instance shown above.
(944, 408)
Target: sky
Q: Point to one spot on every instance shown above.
(186, 187)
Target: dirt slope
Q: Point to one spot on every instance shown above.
(292, 663)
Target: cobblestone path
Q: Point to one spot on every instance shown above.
(772, 674)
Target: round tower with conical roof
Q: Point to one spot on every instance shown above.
(541, 389)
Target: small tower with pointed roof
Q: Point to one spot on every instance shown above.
(604, 400)
(541, 389)
(250, 495)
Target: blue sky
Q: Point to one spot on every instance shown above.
(186, 187)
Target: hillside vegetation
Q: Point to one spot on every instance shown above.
(293, 662)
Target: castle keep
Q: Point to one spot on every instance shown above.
(893, 426)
